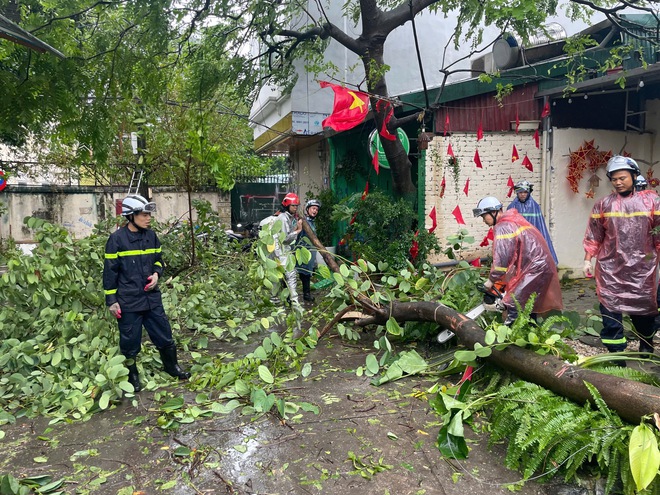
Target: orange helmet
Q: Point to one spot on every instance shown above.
(290, 199)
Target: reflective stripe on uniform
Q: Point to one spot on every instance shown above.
(110, 292)
(513, 234)
(499, 268)
(621, 214)
(136, 252)
(157, 263)
(614, 341)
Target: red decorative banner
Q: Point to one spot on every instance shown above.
(414, 248)
(458, 215)
(511, 185)
(546, 110)
(514, 154)
(450, 151)
(443, 184)
(476, 263)
(467, 186)
(527, 163)
(446, 125)
(489, 237)
(477, 159)
(366, 191)
(480, 132)
(536, 138)
(384, 132)
(517, 121)
(374, 161)
(434, 220)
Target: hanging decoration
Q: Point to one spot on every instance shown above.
(434, 220)
(366, 191)
(450, 151)
(349, 109)
(389, 111)
(536, 139)
(587, 157)
(467, 186)
(527, 163)
(374, 161)
(546, 110)
(517, 120)
(458, 215)
(480, 132)
(477, 159)
(476, 263)
(511, 185)
(446, 124)
(443, 185)
(490, 236)
(414, 248)
(514, 154)
(654, 182)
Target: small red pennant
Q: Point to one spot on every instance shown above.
(467, 186)
(389, 111)
(446, 125)
(458, 215)
(434, 220)
(517, 121)
(414, 248)
(477, 159)
(443, 184)
(480, 132)
(450, 151)
(366, 191)
(527, 163)
(476, 263)
(489, 237)
(536, 138)
(375, 162)
(511, 185)
(546, 110)
(514, 154)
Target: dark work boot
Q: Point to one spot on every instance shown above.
(134, 376)
(170, 363)
(307, 287)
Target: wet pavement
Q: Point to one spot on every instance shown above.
(365, 440)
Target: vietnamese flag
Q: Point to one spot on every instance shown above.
(366, 191)
(434, 219)
(458, 215)
(467, 186)
(527, 163)
(477, 159)
(514, 154)
(443, 184)
(350, 108)
(536, 138)
(480, 132)
(511, 186)
(546, 110)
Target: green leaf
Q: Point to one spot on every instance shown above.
(343, 269)
(338, 279)
(306, 370)
(40, 459)
(265, 375)
(644, 456)
(372, 364)
(393, 327)
(265, 323)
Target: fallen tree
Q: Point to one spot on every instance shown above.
(630, 399)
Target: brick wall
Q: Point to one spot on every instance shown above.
(495, 151)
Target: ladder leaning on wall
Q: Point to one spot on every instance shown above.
(136, 180)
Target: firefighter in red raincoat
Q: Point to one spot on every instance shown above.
(521, 259)
(620, 236)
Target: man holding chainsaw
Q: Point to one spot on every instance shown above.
(521, 260)
(622, 236)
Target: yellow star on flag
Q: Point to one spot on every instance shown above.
(357, 102)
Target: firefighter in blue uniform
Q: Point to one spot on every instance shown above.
(130, 280)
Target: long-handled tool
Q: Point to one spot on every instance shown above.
(491, 296)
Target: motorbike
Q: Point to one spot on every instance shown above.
(244, 235)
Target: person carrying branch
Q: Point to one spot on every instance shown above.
(521, 259)
(131, 270)
(623, 237)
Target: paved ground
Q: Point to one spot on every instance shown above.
(388, 432)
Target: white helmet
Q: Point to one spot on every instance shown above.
(524, 185)
(618, 162)
(487, 205)
(134, 204)
(312, 202)
(640, 183)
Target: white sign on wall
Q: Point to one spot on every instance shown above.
(306, 124)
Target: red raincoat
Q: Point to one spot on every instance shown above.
(522, 259)
(619, 237)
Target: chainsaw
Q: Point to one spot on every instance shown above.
(492, 296)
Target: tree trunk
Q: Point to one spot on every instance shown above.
(631, 400)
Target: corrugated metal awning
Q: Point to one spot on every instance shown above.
(13, 32)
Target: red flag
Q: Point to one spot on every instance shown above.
(480, 132)
(514, 154)
(389, 111)
(414, 249)
(443, 184)
(458, 215)
(476, 263)
(477, 159)
(489, 237)
(446, 124)
(511, 186)
(517, 121)
(527, 163)
(467, 374)
(546, 110)
(536, 138)
(434, 219)
(467, 186)
(349, 109)
(450, 151)
(366, 191)
(374, 161)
